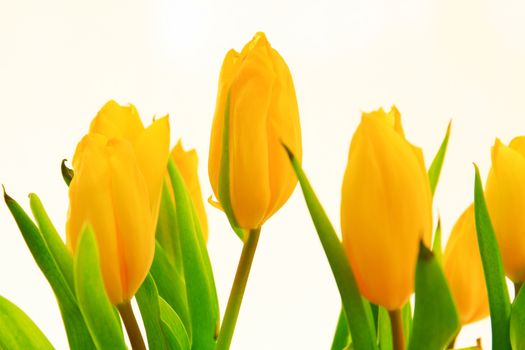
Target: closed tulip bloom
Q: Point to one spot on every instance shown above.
(187, 162)
(464, 270)
(119, 168)
(263, 113)
(386, 209)
(505, 195)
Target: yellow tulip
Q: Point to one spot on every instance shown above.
(263, 113)
(386, 209)
(187, 162)
(464, 270)
(119, 168)
(505, 195)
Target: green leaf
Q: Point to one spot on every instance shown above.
(499, 300)
(358, 311)
(436, 320)
(173, 327)
(18, 331)
(384, 330)
(342, 337)
(224, 172)
(67, 173)
(436, 246)
(77, 333)
(517, 321)
(435, 167)
(202, 296)
(167, 231)
(98, 312)
(171, 286)
(58, 249)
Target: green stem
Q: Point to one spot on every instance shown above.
(237, 292)
(517, 287)
(132, 327)
(397, 329)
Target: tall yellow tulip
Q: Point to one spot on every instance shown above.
(386, 209)
(464, 270)
(187, 162)
(263, 113)
(119, 168)
(505, 194)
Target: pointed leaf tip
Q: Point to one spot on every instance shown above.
(6, 196)
(67, 173)
(424, 252)
(288, 151)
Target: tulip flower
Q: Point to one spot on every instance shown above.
(263, 113)
(505, 196)
(119, 168)
(464, 270)
(386, 209)
(187, 163)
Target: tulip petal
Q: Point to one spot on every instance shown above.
(114, 120)
(135, 225)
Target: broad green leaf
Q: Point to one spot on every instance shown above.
(498, 294)
(98, 312)
(58, 249)
(360, 320)
(18, 331)
(436, 246)
(342, 333)
(170, 284)
(384, 330)
(67, 174)
(173, 326)
(77, 332)
(517, 322)
(436, 320)
(435, 167)
(202, 297)
(224, 172)
(167, 230)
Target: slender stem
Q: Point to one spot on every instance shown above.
(132, 327)
(237, 292)
(517, 287)
(397, 329)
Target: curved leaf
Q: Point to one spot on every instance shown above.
(173, 327)
(18, 331)
(98, 312)
(342, 333)
(357, 309)
(517, 321)
(67, 173)
(436, 320)
(437, 163)
(167, 231)
(499, 300)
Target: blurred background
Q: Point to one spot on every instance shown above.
(437, 60)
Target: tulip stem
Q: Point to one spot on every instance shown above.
(132, 327)
(397, 329)
(237, 291)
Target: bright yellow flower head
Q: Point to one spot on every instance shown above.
(263, 113)
(187, 162)
(119, 168)
(464, 270)
(386, 209)
(505, 194)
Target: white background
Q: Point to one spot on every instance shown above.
(60, 61)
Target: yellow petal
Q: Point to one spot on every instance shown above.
(385, 211)
(135, 223)
(114, 120)
(505, 194)
(464, 270)
(90, 200)
(187, 163)
(152, 152)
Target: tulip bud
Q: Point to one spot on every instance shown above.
(263, 113)
(386, 209)
(187, 162)
(505, 195)
(119, 168)
(464, 270)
